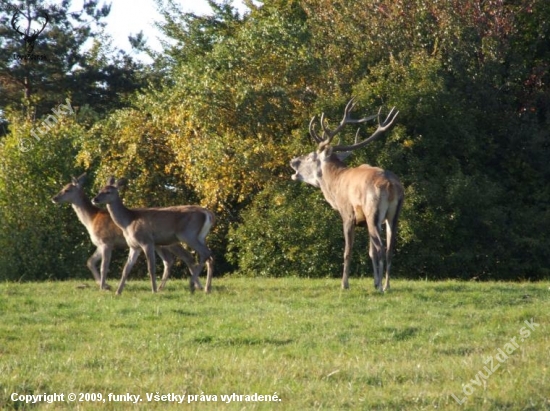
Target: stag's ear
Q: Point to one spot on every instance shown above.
(111, 181)
(343, 155)
(324, 151)
(121, 182)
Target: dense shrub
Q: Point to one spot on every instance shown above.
(289, 230)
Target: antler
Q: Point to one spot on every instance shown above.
(312, 131)
(46, 21)
(382, 127)
(13, 21)
(329, 134)
(35, 33)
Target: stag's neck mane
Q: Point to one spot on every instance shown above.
(328, 182)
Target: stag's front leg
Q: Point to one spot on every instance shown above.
(349, 236)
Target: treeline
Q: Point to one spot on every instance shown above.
(219, 113)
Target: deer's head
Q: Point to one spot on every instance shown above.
(29, 35)
(109, 193)
(309, 168)
(71, 192)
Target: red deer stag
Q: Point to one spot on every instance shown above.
(363, 194)
(147, 228)
(106, 235)
(29, 37)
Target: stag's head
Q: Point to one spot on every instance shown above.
(71, 192)
(309, 168)
(109, 193)
(29, 35)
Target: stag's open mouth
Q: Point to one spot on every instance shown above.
(296, 175)
(294, 164)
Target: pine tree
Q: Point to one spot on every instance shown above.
(46, 56)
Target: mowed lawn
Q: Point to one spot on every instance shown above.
(302, 344)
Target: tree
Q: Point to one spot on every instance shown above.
(231, 108)
(38, 240)
(217, 129)
(467, 143)
(40, 138)
(58, 66)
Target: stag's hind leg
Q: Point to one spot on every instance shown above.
(349, 237)
(391, 236)
(376, 253)
(390, 242)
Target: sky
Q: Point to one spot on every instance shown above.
(131, 16)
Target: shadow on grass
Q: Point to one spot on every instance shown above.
(240, 341)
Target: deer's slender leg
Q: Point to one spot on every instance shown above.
(187, 258)
(349, 237)
(376, 250)
(168, 261)
(149, 250)
(132, 258)
(106, 252)
(91, 263)
(203, 252)
(209, 274)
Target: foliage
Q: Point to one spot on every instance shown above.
(454, 73)
(230, 104)
(288, 231)
(38, 240)
(235, 107)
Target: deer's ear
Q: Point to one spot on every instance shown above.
(80, 180)
(111, 181)
(121, 182)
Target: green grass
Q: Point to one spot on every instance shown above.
(315, 346)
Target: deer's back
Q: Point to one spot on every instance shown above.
(167, 225)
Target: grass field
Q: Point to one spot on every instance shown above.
(305, 343)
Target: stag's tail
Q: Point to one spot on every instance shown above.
(395, 200)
